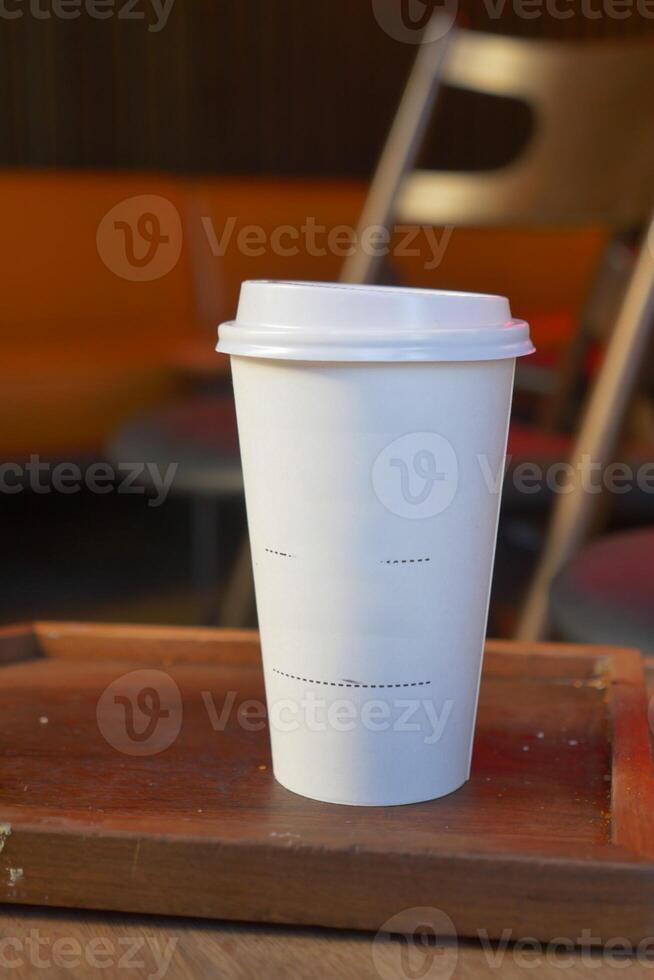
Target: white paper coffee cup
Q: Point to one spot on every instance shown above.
(373, 425)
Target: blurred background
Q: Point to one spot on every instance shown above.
(155, 153)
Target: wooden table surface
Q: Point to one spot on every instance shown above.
(53, 856)
(60, 944)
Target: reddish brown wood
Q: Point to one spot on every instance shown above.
(551, 836)
(147, 644)
(633, 787)
(18, 643)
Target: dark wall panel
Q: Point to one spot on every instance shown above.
(264, 86)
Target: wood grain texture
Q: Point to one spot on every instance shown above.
(147, 644)
(194, 949)
(632, 785)
(555, 811)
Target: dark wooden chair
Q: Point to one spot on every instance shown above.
(590, 160)
(606, 593)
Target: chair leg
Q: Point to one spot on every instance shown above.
(204, 555)
(238, 606)
(600, 310)
(399, 154)
(597, 439)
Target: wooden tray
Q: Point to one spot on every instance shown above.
(552, 836)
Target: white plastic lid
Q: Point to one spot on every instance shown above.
(317, 321)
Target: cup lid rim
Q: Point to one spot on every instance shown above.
(329, 321)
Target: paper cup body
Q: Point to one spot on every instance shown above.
(373, 492)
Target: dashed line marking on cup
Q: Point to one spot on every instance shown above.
(383, 561)
(403, 561)
(310, 680)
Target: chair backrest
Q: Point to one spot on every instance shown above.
(591, 155)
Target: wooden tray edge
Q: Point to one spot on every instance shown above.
(125, 641)
(146, 644)
(542, 897)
